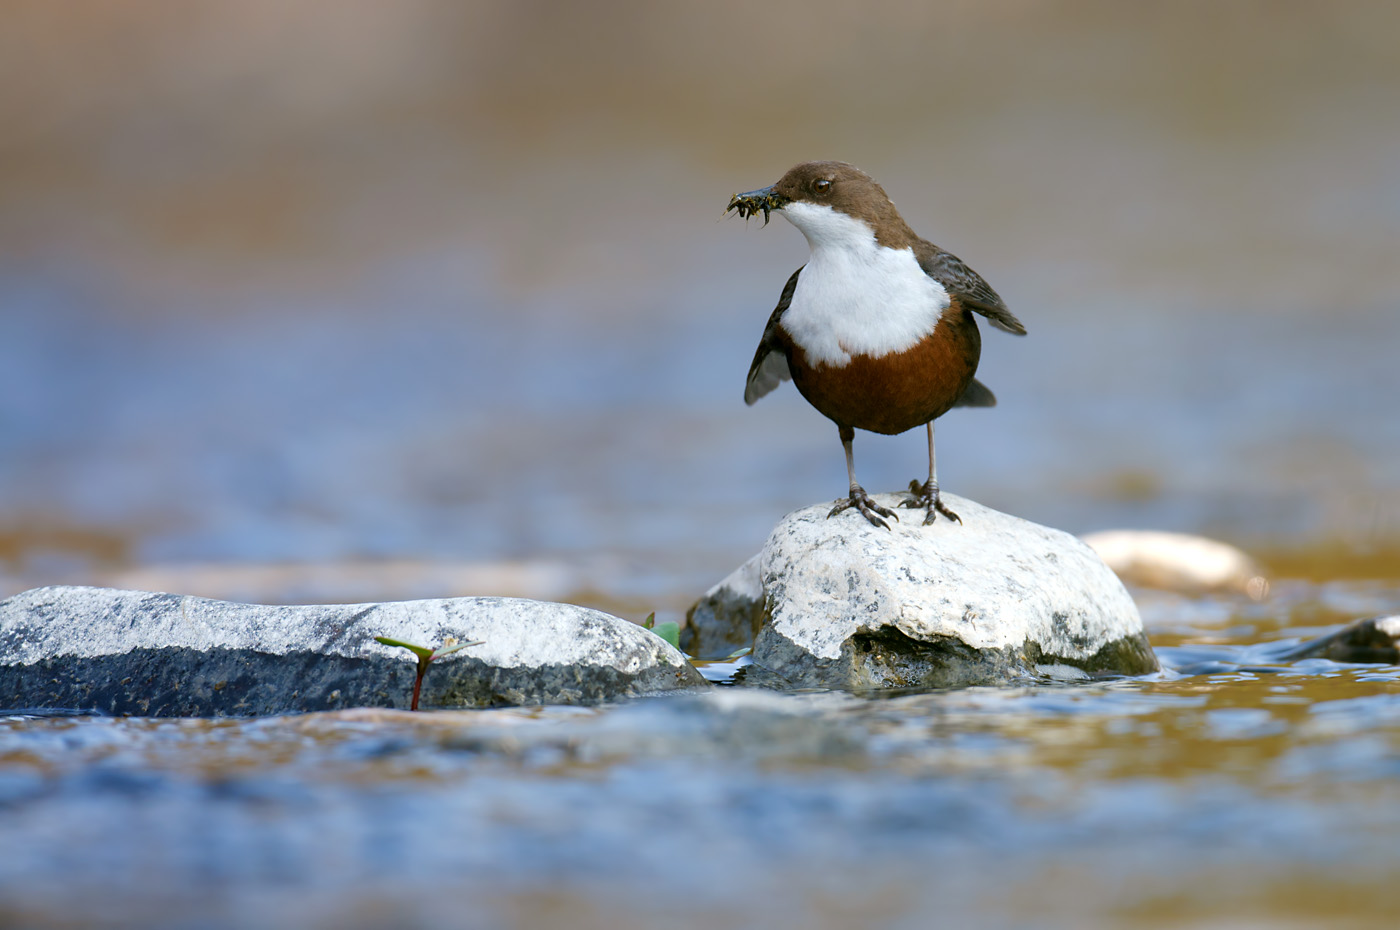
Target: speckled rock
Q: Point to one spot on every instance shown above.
(133, 652)
(992, 599)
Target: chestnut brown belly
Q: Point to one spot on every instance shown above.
(896, 392)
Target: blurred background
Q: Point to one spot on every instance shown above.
(334, 300)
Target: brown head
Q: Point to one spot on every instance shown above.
(841, 187)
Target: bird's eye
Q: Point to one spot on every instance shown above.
(821, 185)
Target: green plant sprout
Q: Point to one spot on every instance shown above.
(669, 631)
(426, 655)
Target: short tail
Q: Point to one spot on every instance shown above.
(977, 395)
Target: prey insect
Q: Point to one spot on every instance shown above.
(749, 204)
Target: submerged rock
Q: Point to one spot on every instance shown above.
(1179, 562)
(849, 605)
(1373, 640)
(133, 652)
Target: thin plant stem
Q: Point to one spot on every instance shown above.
(423, 662)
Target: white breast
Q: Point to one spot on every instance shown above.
(856, 297)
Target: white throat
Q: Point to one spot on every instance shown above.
(856, 297)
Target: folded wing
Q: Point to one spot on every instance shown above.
(967, 285)
(770, 364)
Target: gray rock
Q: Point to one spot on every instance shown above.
(1374, 640)
(727, 618)
(132, 652)
(849, 605)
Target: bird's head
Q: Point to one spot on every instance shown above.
(818, 197)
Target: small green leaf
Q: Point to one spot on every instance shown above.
(446, 650)
(669, 631)
(650, 621)
(422, 652)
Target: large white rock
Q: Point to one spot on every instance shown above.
(166, 654)
(996, 597)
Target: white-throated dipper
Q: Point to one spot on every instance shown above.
(876, 330)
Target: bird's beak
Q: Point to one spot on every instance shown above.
(748, 204)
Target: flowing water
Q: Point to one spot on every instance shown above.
(1230, 790)
(331, 301)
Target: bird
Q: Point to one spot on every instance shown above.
(877, 330)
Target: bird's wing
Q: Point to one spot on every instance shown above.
(770, 364)
(967, 286)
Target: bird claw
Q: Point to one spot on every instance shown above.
(920, 495)
(867, 507)
(925, 495)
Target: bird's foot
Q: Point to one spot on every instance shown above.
(868, 508)
(926, 495)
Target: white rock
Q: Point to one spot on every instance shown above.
(1178, 562)
(855, 606)
(145, 653)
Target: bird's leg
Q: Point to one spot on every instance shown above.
(926, 495)
(858, 499)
